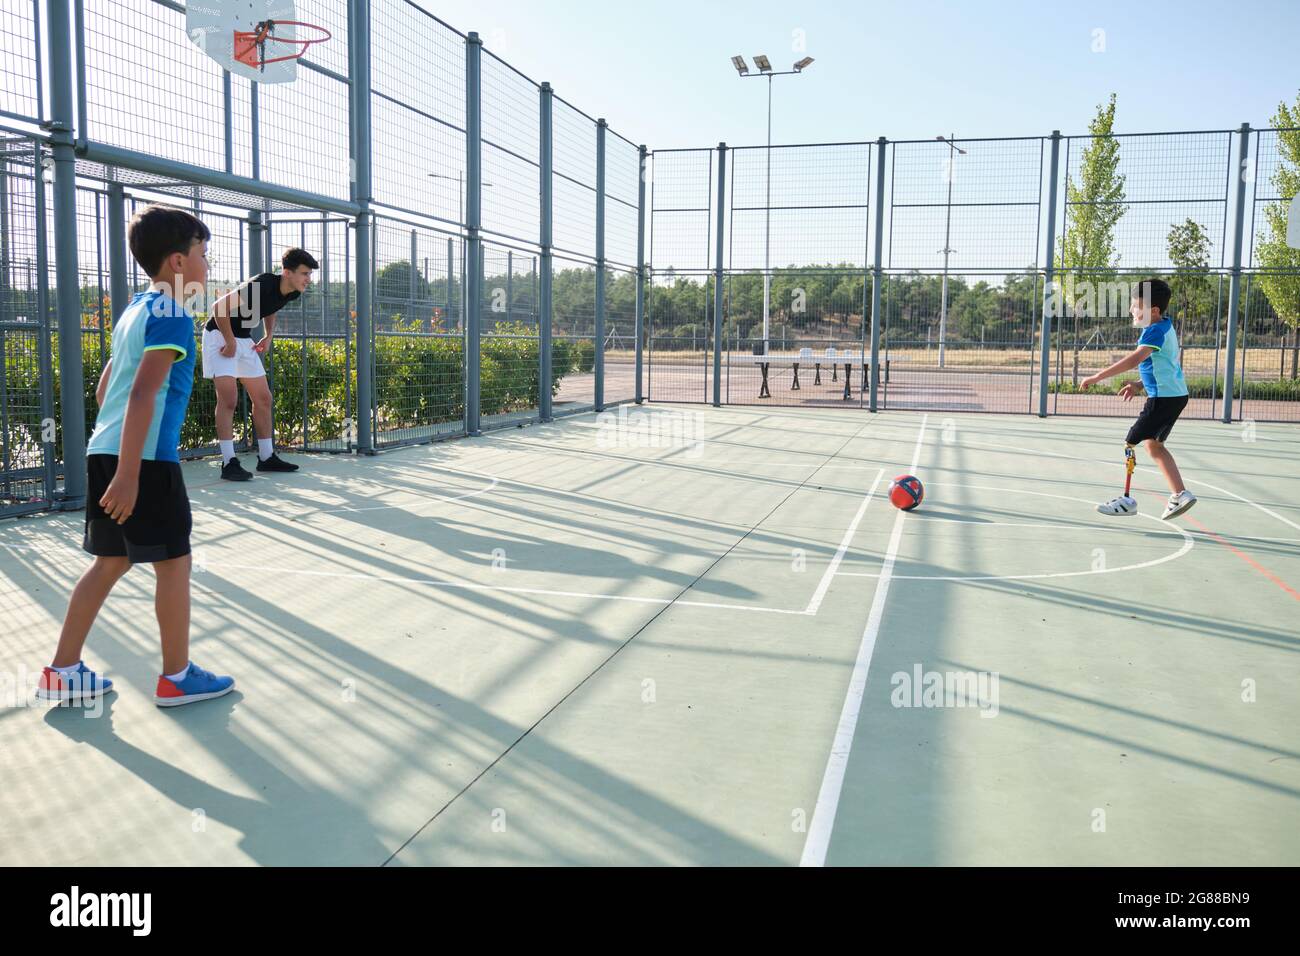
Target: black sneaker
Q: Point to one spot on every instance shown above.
(275, 463)
(234, 471)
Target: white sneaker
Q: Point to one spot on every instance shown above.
(1122, 506)
(1178, 504)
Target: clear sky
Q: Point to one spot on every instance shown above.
(661, 74)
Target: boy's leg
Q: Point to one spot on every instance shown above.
(259, 393)
(172, 605)
(1165, 462)
(227, 396)
(83, 607)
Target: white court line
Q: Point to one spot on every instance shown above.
(1188, 542)
(465, 586)
(825, 582)
(421, 499)
(828, 798)
(1146, 468)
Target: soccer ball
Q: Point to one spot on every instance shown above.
(906, 492)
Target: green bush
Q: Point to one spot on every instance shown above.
(1198, 386)
(418, 381)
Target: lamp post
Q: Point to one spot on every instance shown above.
(947, 232)
(765, 69)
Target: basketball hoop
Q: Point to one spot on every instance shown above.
(251, 45)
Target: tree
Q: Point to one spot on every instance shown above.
(1279, 264)
(1189, 251)
(1093, 208)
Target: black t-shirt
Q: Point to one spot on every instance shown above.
(259, 297)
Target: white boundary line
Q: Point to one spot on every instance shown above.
(828, 798)
(1188, 542)
(825, 582)
(421, 499)
(466, 586)
(1102, 461)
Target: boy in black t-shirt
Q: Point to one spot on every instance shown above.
(230, 355)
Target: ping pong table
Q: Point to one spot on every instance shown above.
(805, 357)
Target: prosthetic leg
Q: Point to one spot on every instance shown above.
(1124, 506)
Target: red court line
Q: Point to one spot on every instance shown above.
(1249, 560)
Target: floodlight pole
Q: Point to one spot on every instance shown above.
(947, 233)
(767, 239)
(767, 229)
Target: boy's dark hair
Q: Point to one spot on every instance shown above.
(295, 257)
(157, 232)
(1159, 293)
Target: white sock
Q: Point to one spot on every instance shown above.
(71, 668)
(264, 449)
(179, 675)
(227, 450)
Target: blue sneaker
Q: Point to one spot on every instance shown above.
(197, 685)
(81, 684)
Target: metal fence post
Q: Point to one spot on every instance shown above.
(453, 320)
(410, 292)
(640, 270)
(119, 294)
(257, 264)
(359, 111)
(71, 387)
(48, 447)
(473, 220)
(228, 127)
(545, 305)
(877, 274)
(599, 366)
(256, 242)
(1045, 346)
(717, 276)
(1234, 282)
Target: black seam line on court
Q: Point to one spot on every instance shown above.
(599, 667)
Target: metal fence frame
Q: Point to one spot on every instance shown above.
(566, 199)
(368, 110)
(684, 192)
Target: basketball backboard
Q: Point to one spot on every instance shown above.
(259, 40)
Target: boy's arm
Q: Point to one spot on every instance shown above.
(119, 500)
(103, 383)
(1130, 361)
(268, 323)
(221, 315)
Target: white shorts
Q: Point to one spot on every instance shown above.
(245, 363)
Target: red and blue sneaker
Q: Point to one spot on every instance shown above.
(196, 685)
(81, 684)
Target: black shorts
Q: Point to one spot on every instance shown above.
(1156, 420)
(159, 527)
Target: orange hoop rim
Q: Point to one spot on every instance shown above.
(252, 40)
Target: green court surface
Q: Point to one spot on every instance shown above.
(576, 644)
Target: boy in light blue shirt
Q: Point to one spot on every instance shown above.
(1157, 360)
(137, 510)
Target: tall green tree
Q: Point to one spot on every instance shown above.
(1094, 206)
(1278, 263)
(1189, 251)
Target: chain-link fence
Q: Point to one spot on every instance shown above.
(413, 189)
(28, 450)
(492, 255)
(972, 259)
